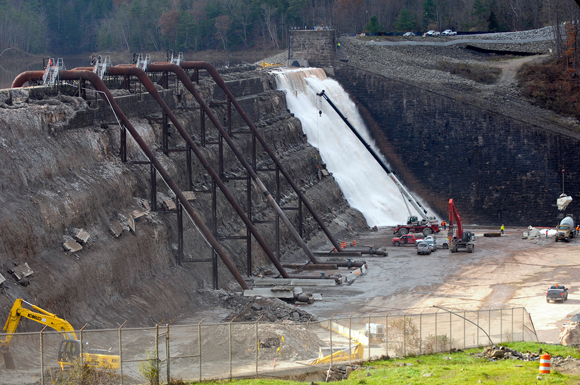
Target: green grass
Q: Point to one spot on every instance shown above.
(462, 368)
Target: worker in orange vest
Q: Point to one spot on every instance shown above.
(443, 225)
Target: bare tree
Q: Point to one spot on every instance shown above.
(222, 25)
(268, 13)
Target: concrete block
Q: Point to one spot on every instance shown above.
(2, 279)
(82, 236)
(189, 195)
(131, 223)
(136, 214)
(116, 228)
(170, 204)
(22, 271)
(317, 296)
(72, 246)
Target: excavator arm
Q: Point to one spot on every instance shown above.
(454, 215)
(40, 316)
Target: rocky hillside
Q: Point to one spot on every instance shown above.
(61, 173)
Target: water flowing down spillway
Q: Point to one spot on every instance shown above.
(365, 185)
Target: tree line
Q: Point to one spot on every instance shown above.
(70, 26)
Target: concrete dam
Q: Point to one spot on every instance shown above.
(71, 164)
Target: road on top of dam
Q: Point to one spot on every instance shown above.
(502, 272)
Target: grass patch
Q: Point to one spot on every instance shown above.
(476, 72)
(450, 368)
(551, 86)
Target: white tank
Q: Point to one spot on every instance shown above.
(568, 221)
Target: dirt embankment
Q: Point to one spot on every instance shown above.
(60, 173)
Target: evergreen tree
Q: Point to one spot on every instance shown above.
(492, 23)
(373, 26)
(406, 21)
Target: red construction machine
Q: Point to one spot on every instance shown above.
(460, 239)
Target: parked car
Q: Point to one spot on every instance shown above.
(431, 243)
(432, 33)
(423, 248)
(557, 293)
(409, 34)
(448, 32)
(442, 243)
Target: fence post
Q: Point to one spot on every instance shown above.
(405, 335)
(523, 324)
(199, 345)
(167, 354)
(436, 337)
(257, 345)
(230, 345)
(489, 322)
(387, 333)
(421, 332)
(157, 352)
(369, 330)
(82, 348)
(478, 328)
(513, 331)
(501, 324)
(450, 330)
(350, 339)
(42, 355)
(121, 351)
(464, 330)
(330, 329)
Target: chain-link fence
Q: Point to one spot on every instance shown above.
(257, 349)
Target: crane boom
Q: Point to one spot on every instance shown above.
(407, 196)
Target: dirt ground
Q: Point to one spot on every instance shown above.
(503, 272)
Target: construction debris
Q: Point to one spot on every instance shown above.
(116, 228)
(170, 204)
(81, 236)
(570, 334)
(2, 279)
(72, 246)
(131, 223)
(189, 195)
(22, 271)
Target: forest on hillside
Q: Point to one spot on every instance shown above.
(71, 26)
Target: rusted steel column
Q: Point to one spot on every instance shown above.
(220, 82)
(156, 67)
(106, 95)
(150, 87)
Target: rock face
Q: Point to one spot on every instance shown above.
(318, 47)
(61, 171)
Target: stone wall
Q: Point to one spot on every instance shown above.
(498, 169)
(318, 47)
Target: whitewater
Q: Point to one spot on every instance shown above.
(365, 185)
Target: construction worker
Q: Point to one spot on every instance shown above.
(338, 45)
(502, 228)
(443, 225)
(577, 229)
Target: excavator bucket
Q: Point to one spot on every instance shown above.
(8, 361)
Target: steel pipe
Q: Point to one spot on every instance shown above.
(150, 87)
(220, 82)
(159, 67)
(106, 95)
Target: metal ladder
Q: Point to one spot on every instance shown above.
(50, 76)
(101, 66)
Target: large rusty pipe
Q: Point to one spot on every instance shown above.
(150, 87)
(27, 76)
(158, 67)
(220, 82)
(106, 95)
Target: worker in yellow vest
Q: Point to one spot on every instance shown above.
(502, 229)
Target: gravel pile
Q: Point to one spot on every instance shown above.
(541, 33)
(494, 353)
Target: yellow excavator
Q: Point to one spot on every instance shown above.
(70, 347)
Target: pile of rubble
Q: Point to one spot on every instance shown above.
(494, 353)
(570, 334)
